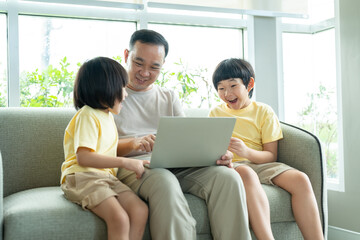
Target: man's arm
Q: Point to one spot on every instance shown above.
(130, 145)
(177, 108)
(125, 146)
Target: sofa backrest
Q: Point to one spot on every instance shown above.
(31, 144)
(196, 112)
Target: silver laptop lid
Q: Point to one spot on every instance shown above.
(191, 142)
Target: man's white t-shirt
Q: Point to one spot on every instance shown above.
(141, 111)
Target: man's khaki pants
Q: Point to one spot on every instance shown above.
(170, 216)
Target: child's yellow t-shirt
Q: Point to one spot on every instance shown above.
(255, 124)
(93, 129)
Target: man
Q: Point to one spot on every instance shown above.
(220, 187)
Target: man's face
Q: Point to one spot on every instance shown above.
(144, 65)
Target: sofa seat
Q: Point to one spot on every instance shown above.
(38, 212)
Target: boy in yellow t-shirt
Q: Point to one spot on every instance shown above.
(88, 174)
(254, 144)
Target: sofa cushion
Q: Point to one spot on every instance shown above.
(42, 212)
(280, 204)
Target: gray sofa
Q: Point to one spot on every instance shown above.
(33, 206)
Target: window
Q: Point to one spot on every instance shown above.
(3, 62)
(318, 11)
(51, 50)
(54, 37)
(194, 53)
(310, 90)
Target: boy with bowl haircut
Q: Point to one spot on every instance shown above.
(254, 144)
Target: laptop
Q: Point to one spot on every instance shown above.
(190, 142)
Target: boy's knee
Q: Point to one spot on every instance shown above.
(303, 179)
(247, 174)
(300, 182)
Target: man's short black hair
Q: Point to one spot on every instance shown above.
(150, 37)
(98, 83)
(233, 68)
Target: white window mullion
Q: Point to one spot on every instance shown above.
(340, 185)
(267, 63)
(143, 18)
(13, 55)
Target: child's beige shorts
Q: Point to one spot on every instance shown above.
(265, 171)
(89, 189)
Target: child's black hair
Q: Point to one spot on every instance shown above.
(233, 68)
(99, 82)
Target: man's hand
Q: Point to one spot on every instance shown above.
(145, 143)
(226, 159)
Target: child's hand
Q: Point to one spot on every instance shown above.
(137, 166)
(238, 146)
(226, 159)
(145, 143)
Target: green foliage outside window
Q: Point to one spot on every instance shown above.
(50, 88)
(3, 86)
(192, 85)
(2, 95)
(319, 118)
(53, 86)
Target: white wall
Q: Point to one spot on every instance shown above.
(344, 207)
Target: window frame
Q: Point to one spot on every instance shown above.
(14, 8)
(332, 184)
(3, 17)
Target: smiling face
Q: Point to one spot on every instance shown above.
(144, 65)
(234, 93)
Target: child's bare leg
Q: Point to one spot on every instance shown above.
(137, 211)
(257, 202)
(116, 218)
(303, 202)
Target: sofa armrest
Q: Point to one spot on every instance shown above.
(1, 199)
(302, 150)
